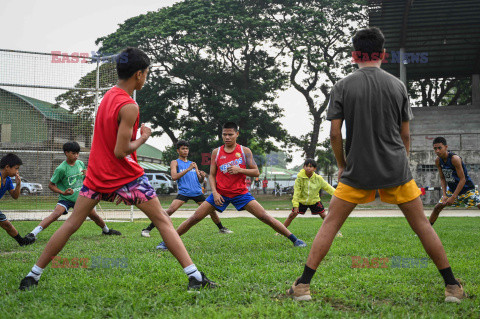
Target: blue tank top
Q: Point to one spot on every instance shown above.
(451, 177)
(188, 184)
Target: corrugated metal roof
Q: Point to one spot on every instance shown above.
(277, 173)
(448, 31)
(149, 151)
(154, 166)
(48, 110)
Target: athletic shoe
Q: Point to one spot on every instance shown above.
(300, 292)
(454, 293)
(225, 230)
(339, 234)
(299, 243)
(162, 246)
(145, 233)
(29, 239)
(194, 284)
(112, 232)
(27, 283)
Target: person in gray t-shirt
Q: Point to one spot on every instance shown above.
(374, 106)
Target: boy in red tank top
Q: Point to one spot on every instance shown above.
(113, 172)
(231, 164)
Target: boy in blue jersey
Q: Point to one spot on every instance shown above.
(9, 165)
(457, 187)
(189, 179)
(67, 181)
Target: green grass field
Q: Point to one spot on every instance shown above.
(269, 202)
(48, 203)
(253, 267)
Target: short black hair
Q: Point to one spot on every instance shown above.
(71, 147)
(368, 41)
(11, 160)
(182, 143)
(130, 61)
(440, 139)
(311, 162)
(231, 125)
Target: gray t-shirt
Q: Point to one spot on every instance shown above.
(373, 104)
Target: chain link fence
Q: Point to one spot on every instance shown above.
(47, 99)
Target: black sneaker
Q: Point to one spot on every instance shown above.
(112, 232)
(28, 283)
(29, 239)
(194, 284)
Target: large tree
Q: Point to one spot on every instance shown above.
(441, 91)
(211, 65)
(317, 37)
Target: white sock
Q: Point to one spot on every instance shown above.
(105, 229)
(36, 272)
(193, 271)
(37, 230)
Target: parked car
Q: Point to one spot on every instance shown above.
(288, 190)
(27, 187)
(162, 183)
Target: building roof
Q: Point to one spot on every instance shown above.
(154, 167)
(277, 173)
(448, 31)
(47, 109)
(149, 151)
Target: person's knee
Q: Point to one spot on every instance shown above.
(264, 217)
(71, 227)
(5, 224)
(55, 215)
(292, 215)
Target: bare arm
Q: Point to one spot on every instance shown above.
(175, 174)
(127, 117)
(213, 172)
(15, 193)
(337, 144)
(405, 134)
(200, 174)
(457, 162)
(443, 182)
(252, 168)
(53, 187)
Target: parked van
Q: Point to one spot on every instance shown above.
(162, 183)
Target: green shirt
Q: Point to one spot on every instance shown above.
(67, 176)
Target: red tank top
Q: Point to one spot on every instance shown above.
(230, 185)
(105, 172)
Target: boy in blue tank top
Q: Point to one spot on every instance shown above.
(9, 165)
(189, 179)
(457, 187)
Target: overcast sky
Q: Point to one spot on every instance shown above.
(47, 26)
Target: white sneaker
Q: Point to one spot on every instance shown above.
(339, 234)
(225, 230)
(145, 233)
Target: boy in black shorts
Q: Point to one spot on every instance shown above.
(9, 165)
(307, 193)
(67, 181)
(189, 179)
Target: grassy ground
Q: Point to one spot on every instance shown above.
(254, 268)
(269, 202)
(48, 202)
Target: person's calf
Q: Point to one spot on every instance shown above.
(9, 228)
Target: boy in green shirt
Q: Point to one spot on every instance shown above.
(307, 193)
(67, 180)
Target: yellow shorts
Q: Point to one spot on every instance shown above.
(392, 195)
